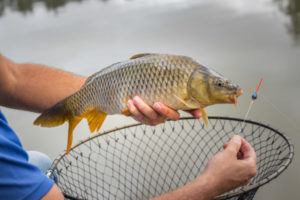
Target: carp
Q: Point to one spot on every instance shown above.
(179, 82)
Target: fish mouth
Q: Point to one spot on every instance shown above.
(233, 97)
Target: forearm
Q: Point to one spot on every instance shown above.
(199, 189)
(54, 193)
(34, 87)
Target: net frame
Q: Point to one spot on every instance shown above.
(244, 192)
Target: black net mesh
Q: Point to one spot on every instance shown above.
(139, 162)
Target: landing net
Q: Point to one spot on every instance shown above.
(139, 161)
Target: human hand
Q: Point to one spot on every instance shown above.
(231, 168)
(158, 113)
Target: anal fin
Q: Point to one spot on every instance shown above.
(95, 119)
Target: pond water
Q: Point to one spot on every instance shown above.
(243, 40)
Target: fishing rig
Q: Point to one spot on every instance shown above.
(253, 98)
(268, 101)
(139, 161)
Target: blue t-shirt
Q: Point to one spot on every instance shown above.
(18, 178)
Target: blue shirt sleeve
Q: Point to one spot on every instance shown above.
(18, 178)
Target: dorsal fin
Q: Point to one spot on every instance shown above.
(140, 55)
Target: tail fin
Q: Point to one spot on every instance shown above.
(54, 116)
(58, 114)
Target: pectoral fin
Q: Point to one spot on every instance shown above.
(189, 105)
(204, 117)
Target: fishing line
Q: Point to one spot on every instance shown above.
(291, 122)
(254, 97)
(246, 116)
(268, 101)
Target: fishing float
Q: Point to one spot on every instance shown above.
(253, 98)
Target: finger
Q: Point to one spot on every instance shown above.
(234, 144)
(147, 121)
(134, 111)
(195, 113)
(166, 111)
(159, 120)
(248, 151)
(144, 108)
(225, 145)
(240, 155)
(138, 116)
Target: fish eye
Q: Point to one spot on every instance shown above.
(220, 83)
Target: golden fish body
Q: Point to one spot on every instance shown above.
(153, 77)
(176, 81)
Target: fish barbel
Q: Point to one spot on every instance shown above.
(179, 82)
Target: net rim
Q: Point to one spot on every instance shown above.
(247, 188)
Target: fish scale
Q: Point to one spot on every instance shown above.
(179, 82)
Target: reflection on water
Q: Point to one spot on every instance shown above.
(25, 6)
(292, 9)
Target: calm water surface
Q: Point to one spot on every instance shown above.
(243, 40)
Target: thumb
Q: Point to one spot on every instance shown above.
(234, 144)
